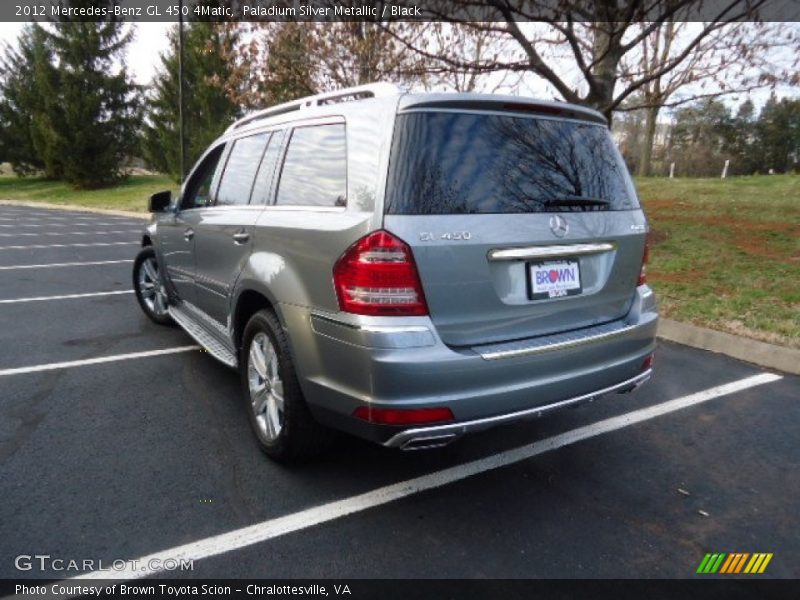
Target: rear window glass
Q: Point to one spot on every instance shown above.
(455, 163)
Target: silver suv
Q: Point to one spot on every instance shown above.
(407, 267)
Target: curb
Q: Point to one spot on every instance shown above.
(766, 355)
(73, 208)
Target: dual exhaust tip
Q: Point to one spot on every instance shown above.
(428, 442)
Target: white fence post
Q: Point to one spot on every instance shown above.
(672, 170)
(725, 168)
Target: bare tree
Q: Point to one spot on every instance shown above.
(596, 39)
(474, 45)
(354, 53)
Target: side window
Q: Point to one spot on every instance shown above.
(198, 188)
(263, 184)
(243, 161)
(315, 167)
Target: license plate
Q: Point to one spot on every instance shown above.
(554, 279)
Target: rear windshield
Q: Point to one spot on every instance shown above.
(457, 163)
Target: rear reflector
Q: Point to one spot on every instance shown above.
(648, 363)
(403, 416)
(645, 259)
(377, 276)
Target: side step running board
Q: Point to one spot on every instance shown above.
(215, 347)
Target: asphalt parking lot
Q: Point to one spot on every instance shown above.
(147, 453)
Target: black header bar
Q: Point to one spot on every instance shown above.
(398, 10)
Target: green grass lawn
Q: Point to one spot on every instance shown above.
(130, 195)
(726, 253)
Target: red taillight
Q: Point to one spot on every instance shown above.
(403, 416)
(645, 258)
(648, 363)
(377, 276)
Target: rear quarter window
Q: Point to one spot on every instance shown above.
(461, 163)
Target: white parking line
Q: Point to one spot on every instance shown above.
(86, 245)
(65, 297)
(40, 218)
(59, 265)
(70, 233)
(8, 211)
(95, 361)
(60, 215)
(59, 223)
(273, 528)
(105, 224)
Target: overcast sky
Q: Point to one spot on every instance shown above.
(151, 40)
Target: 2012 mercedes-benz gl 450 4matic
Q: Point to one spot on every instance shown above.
(407, 267)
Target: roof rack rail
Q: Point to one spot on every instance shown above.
(372, 90)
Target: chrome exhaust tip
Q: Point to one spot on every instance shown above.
(428, 442)
(637, 384)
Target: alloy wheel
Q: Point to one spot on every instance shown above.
(266, 387)
(152, 291)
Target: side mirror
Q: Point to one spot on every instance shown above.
(159, 202)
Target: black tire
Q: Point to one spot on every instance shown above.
(153, 298)
(299, 436)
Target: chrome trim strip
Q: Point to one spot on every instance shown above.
(376, 335)
(500, 354)
(550, 251)
(303, 208)
(373, 328)
(265, 207)
(405, 437)
(231, 207)
(377, 329)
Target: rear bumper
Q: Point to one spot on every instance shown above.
(420, 438)
(345, 362)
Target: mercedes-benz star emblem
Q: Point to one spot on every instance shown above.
(558, 225)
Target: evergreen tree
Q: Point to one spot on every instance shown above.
(705, 134)
(208, 109)
(26, 80)
(700, 138)
(742, 146)
(778, 130)
(92, 123)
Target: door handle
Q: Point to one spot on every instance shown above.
(240, 237)
(188, 234)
